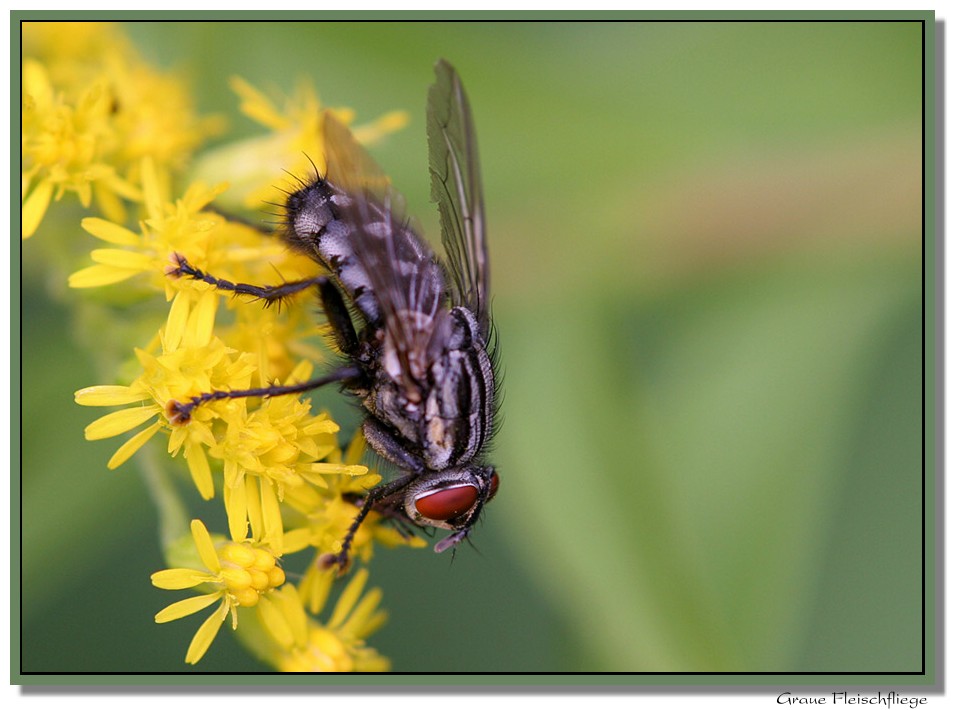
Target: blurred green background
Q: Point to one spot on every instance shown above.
(706, 246)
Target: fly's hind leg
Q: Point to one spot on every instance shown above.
(180, 412)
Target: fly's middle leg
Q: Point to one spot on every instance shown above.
(338, 315)
(180, 412)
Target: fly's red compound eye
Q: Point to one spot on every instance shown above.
(448, 503)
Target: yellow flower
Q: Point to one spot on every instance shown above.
(182, 227)
(245, 574)
(278, 442)
(69, 46)
(192, 360)
(294, 145)
(62, 147)
(276, 448)
(240, 573)
(301, 644)
(92, 110)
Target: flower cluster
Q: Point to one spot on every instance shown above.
(246, 575)
(100, 123)
(92, 109)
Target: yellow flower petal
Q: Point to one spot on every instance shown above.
(296, 540)
(287, 600)
(235, 501)
(356, 448)
(364, 616)
(206, 633)
(391, 537)
(185, 607)
(199, 196)
(34, 208)
(199, 327)
(348, 598)
(84, 193)
(374, 623)
(176, 321)
(122, 259)
(180, 578)
(232, 473)
(369, 661)
(274, 622)
(315, 588)
(152, 192)
(108, 202)
(318, 481)
(108, 396)
(328, 651)
(122, 188)
(99, 275)
(36, 81)
(257, 106)
(200, 469)
(254, 511)
(118, 422)
(301, 373)
(338, 468)
(177, 437)
(109, 232)
(370, 133)
(272, 522)
(204, 543)
(320, 426)
(132, 445)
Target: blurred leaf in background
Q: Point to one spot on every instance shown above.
(706, 247)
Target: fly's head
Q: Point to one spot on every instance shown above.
(451, 500)
(308, 212)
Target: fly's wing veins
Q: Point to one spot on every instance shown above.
(456, 187)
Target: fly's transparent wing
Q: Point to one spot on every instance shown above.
(349, 166)
(406, 279)
(455, 186)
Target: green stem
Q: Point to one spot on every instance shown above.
(174, 520)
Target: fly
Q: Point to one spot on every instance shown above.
(421, 359)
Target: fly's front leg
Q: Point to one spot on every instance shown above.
(341, 559)
(385, 443)
(338, 315)
(268, 294)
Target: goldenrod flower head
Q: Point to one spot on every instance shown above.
(92, 110)
(70, 46)
(302, 644)
(266, 453)
(295, 144)
(192, 360)
(62, 148)
(183, 227)
(240, 573)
